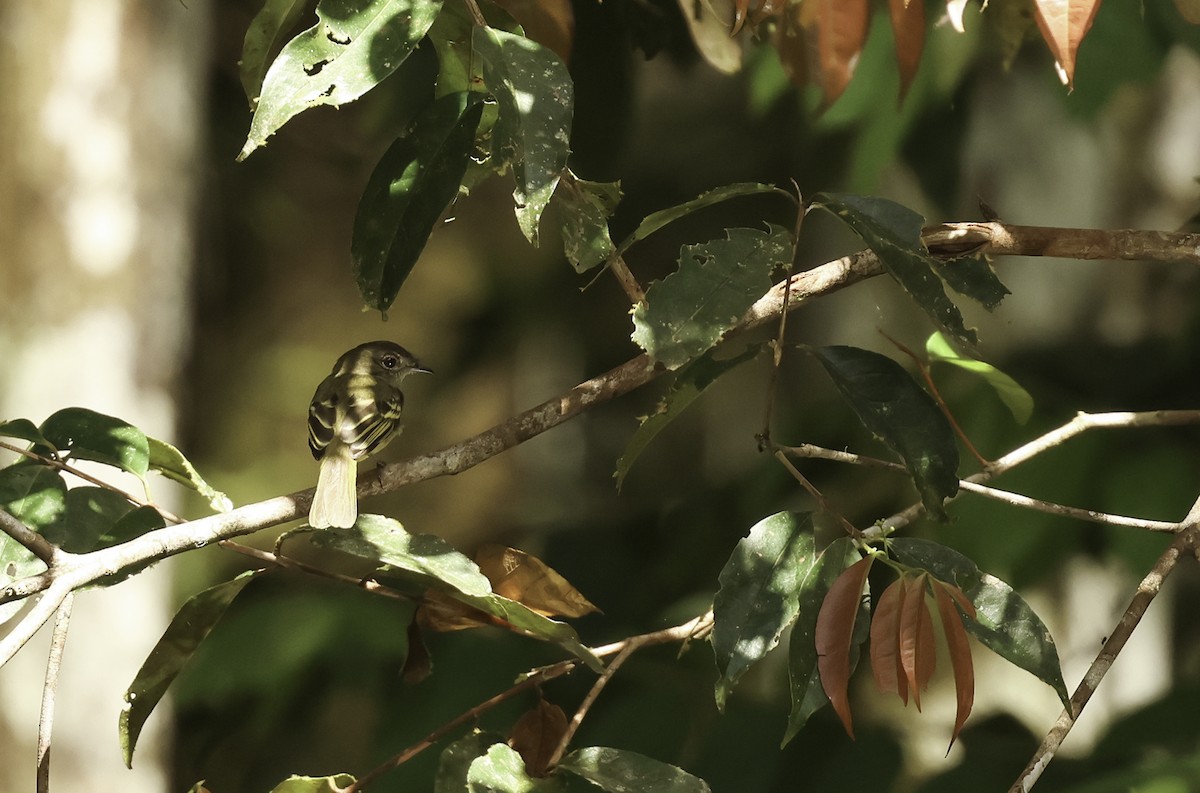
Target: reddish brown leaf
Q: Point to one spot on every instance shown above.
(793, 34)
(885, 642)
(960, 650)
(917, 655)
(526, 579)
(908, 29)
(550, 23)
(536, 735)
(440, 612)
(1064, 23)
(835, 634)
(841, 33)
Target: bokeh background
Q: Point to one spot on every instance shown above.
(145, 273)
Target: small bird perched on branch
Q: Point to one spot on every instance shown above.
(354, 413)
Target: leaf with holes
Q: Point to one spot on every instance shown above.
(350, 50)
(585, 208)
(899, 412)
(973, 277)
(266, 31)
(835, 636)
(690, 310)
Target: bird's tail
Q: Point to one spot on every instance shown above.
(336, 502)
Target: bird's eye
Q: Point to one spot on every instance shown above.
(389, 362)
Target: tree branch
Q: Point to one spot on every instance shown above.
(53, 664)
(30, 540)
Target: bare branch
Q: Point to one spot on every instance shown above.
(956, 239)
(58, 642)
(37, 616)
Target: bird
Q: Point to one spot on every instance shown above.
(354, 413)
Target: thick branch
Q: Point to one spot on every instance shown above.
(998, 238)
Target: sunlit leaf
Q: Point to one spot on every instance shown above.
(1017, 399)
(353, 47)
(1004, 622)
(620, 771)
(690, 382)
(501, 770)
(947, 596)
(458, 68)
(690, 310)
(908, 30)
(893, 232)
(841, 34)
(519, 576)
(263, 37)
(23, 429)
(456, 760)
(759, 594)
(899, 412)
(585, 208)
(171, 463)
(835, 636)
(808, 695)
(89, 435)
(536, 736)
(90, 513)
(34, 494)
(190, 625)
(973, 277)
(550, 23)
(1063, 24)
(885, 641)
(536, 100)
(917, 657)
(313, 784)
(410, 188)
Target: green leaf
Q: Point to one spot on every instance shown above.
(690, 310)
(536, 100)
(354, 45)
(410, 188)
(1004, 622)
(456, 760)
(25, 430)
(191, 624)
(585, 208)
(171, 463)
(34, 494)
(901, 414)
(267, 29)
(619, 771)
(663, 217)
(134, 523)
(501, 770)
(434, 563)
(90, 513)
(1017, 399)
(690, 383)
(973, 277)
(89, 435)
(894, 233)
(759, 594)
(313, 784)
(808, 696)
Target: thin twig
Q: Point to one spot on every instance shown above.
(288, 563)
(34, 619)
(679, 633)
(627, 280)
(1185, 541)
(58, 641)
(588, 701)
(828, 508)
(777, 342)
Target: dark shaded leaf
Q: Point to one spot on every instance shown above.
(410, 188)
(690, 382)
(835, 636)
(191, 624)
(171, 463)
(89, 435)
(664, 217)
(353, 47)
(536, 736)
(1004, 623)
(536, 100)
(90, 513)
(550, 23)
(973, 277)
(25, 430)
(808, 695)
(690, 310)
(759, 594)
(894, 233)
(619, 771)
(900, 413)
(456, 760)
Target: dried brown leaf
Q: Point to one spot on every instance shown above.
(841, 34)
(908, 29)
(960, 650)
(536, 735)
(526, 579)
(835, 635)
(917, 654)
(885, 642)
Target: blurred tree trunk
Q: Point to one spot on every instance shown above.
(98, 148)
